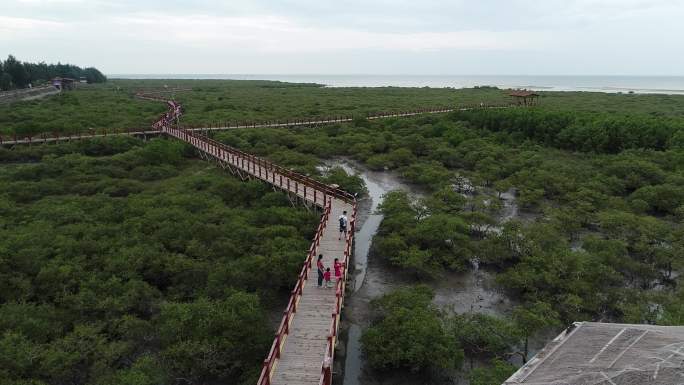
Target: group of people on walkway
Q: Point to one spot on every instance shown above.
(324, 275)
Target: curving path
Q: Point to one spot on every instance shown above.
(303, 349)
(220, 126)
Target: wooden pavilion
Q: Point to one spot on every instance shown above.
(524, 97)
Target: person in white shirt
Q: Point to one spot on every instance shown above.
(343, 225)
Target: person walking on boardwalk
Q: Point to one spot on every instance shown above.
(326, 275)
(343, 225)
(321, 268)
(338, 269)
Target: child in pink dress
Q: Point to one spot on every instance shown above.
(326, 277)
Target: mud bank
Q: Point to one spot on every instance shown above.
(469, 291)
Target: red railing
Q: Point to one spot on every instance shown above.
(284, 328)
(224, 125)
(277, 175)
(237, 157)
(214, 148)
(289, 174)
(340, 288)
(287, 180)
(234, 156)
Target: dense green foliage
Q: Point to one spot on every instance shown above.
(233, 100)
(338, 176)
(424, 238)
(214, 101)
(494, 374)
(126, 263)
(577, 131)
(624, 210)
(87, 109)
(485, 337)
(17, 74)
(597, 179)
(409, 333)
(599, 232)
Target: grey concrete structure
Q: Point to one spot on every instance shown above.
(590, 353)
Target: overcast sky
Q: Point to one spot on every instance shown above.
(541, 37)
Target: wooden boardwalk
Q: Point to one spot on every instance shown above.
(304, 346)
(222, 126)
(303, 350)
(45, 138)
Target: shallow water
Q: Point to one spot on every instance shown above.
(353, 361)
(374, 279)
(378, 184)
(597, 83)
(473, 290)
(469, 291)
(510, 207)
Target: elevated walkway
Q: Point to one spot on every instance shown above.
(303, 350)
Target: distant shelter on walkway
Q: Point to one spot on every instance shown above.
(524, 97)
(63, 83)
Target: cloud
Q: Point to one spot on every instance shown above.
(325, 36)
(49, 2)
(274, 34)
(12, 28)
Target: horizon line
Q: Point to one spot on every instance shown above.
(371, 74)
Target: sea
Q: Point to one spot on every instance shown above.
(612, 84)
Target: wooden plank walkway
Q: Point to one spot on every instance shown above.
(45, 138)
(307, 335)
(304, 346)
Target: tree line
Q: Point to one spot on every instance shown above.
(16, 74)
(597, 236)
(580, 131)
(125, 262)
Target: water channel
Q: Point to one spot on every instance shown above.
(469, 291)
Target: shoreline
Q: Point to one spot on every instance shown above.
(642, 85)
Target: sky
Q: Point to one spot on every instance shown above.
(419, 37)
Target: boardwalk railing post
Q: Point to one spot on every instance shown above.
(327, 374)
(265, 370)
